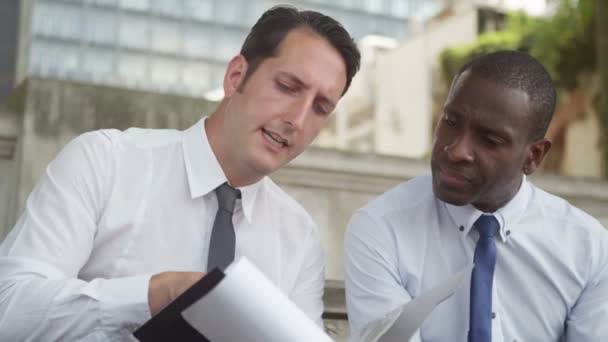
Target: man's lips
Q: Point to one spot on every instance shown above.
(275, 138)
(453, 178)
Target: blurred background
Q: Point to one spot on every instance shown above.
(70, 66)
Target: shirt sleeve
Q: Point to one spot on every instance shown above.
(371, 274)
(309, 286)
(587, 319)
(41, 296)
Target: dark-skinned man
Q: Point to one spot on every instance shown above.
(540, 264)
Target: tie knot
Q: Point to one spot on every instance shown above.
(226, 196)
(487, 226)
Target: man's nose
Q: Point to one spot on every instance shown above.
(460, 149)
(297, 113)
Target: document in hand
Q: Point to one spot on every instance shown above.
(401, 324)
(238, 305)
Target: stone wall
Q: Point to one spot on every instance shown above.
(11, 124)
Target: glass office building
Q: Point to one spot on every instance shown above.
(174, 46)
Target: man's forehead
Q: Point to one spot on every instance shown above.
(472, 89)
(322, 71)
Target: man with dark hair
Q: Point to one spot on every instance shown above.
(541, 265)
(122, 222)
(275, 24)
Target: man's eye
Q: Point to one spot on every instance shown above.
(285, 88)
(491, 141)
(320, 109)
(449, 121)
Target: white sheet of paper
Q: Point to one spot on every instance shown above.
(246, 306)
(402, 323)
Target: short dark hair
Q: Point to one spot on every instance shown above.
(272, 27)
(518, 70)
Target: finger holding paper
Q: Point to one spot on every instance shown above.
(166, 286)
(258, 312)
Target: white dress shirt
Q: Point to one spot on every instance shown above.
(550, 280)
(116, 207)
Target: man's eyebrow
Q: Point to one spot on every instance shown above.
(452, 111)
(506, 135)
(300, 83)
(294, 78)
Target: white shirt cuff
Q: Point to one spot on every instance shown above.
(124, 302)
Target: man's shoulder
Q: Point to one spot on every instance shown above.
(283, 202)
(407, 196)
(142, 137)
(561, 211)
(117, 140)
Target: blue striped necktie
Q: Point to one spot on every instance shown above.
(480, 311)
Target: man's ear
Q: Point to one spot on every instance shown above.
(235, 74)
(536, 153)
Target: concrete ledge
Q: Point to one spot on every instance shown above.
(374, 174)
(330, 162)
(349, 171)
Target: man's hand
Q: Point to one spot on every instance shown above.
(166, 286)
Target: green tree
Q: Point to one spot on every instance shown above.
(564, 42)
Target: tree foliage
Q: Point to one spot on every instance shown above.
(564, 42)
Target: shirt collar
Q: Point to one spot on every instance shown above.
(204, 171)
(507, 216)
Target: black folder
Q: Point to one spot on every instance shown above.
(169, 325)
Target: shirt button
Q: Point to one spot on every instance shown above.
(508, 232)
(461, 228)
(493, 315)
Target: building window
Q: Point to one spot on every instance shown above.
(195, 76)
(228, 44)
(56, 59)
(163, 72)
(229, 12)
(165, 36)
(98, 64)
(62, 20)
(173, 8)
(198, 40)
(131, 68)
(133, 31)
(100, 26)
(199, 9)
(138, 5)
(109, 3)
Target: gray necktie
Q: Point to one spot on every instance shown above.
(221, 246)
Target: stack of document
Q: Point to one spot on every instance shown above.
(238, 305)
(243, 305)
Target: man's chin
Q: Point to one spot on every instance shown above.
(450, 197)
(267, 167)
(267, 162)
